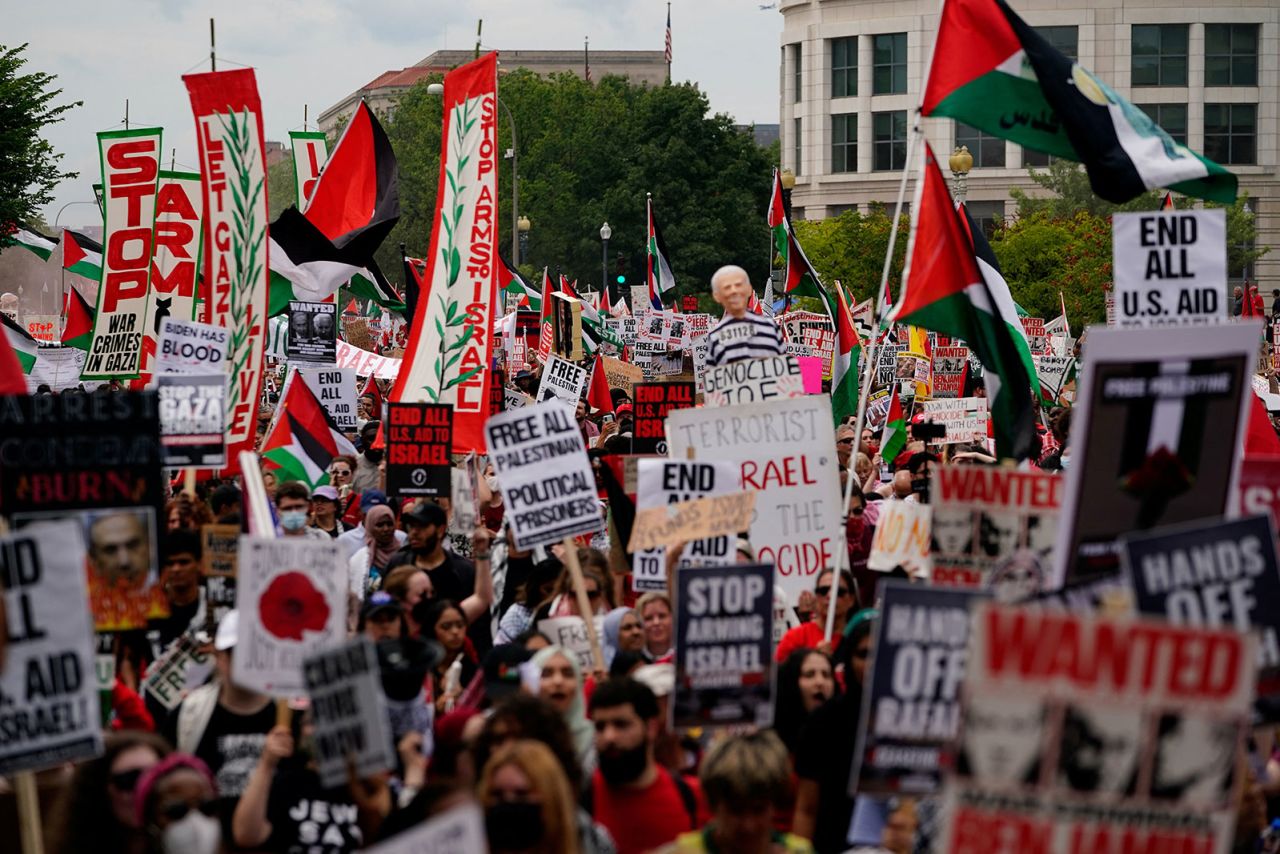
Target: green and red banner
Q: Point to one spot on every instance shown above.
(130, 173)
(175, 260)
(228, 115)
(448, 355)
(310, 151)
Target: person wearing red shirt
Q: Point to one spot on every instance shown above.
(640, 803)
(810, 635)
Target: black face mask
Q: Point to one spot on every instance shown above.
(624, 766)
(513, 825)
(373, 455)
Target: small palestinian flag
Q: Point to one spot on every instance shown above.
(844, 367)
(24, 346)
(303, 439)
(994, 72)
(545, 334)
(894, 437)
(516, 288)
(77, 330)
(31, 240)
(371, 285)
(658, 275)
(798, 278)
(598, 396)
(1166, 204)
(415, 272)
(81, 255)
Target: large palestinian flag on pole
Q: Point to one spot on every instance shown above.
(77, 327)
(303, 440)
(516, 288)
(844, 367)
(948, 288)
(799, 278)
(994, 72)
(658, 275)
(31, 240)
(81, 255)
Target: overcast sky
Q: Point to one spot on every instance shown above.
(317, 51)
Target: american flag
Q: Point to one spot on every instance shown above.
(668, 51)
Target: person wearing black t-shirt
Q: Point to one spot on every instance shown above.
(180, 581)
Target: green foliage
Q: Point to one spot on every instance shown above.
(588, 153)
(28, 164)
(282, 187)
(851, 247)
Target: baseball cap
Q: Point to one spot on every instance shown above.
(502, 670)
(378, 601)
(372, 498)
(228, 628)
(327, 492)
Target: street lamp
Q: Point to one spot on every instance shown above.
(605, 233)
(522, 226)
(961, 161)
(437, 89)
(788, 180)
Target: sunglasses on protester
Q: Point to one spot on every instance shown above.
(824, 589)
(176, 811)
(126, 781)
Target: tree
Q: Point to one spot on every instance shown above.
(28, 164)
(851, 247)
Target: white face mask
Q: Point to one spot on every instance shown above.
(196, 833)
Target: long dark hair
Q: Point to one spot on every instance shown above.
(543, 572)
(789, 713)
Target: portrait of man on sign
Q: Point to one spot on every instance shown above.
(123, 588)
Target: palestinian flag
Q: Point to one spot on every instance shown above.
(658, 275)
(894, 437)
(844, 367)
(303, 440)
(371, 390)
(544, 316)
(368, 283)
(415, 271)
(514, 285)
(305, 265)
(12, 372)
(952, 286)
(31, 240)
(598, 397)
(81, 255)
(1166, 204)
(798, 278)
(994, 72)
(356, 199)
(23, 345)
(77, 330)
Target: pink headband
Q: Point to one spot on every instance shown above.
(149, 778)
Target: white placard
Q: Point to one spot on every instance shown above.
(56, 367)
(660, 482)
(1170, 267)
(459, 830)
(752, 381)
(188, 347)
(335, 388)
(964, 417)
(349, 712)
(562, 380)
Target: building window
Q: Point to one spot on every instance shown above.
(1231, 54)
(1159, 55)
(1035, 158)
(844, 67)
(797, 214)
(1231, 133)
(988, 215)
(797, 56)
(1065, 40)
(835, 210)
(987, 150)
(798, 155)
(844, 142)
(889, 140)
(1171, 117)
(889, 72)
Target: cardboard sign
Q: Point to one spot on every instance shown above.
(660, 482)
(168, 678)
(546, 479)
(291, 593)
(786, 452)
(902, 539)
(48, 696)
(752, 381)
(188, 347)
(1128, 731)
(724, 641)
(367, 364)
(622, 375)
(42, 327)
(419, 439)
(313, 332)
(692, 520)
(335, 388)
(1214, 574)
(220, 546)
(652, 403)
(562, 380)
(356, 332)
(994, 527)
(193, 419)
(1155, 437)
(458, 830)
(571, 633)
(1170, 267)
(964, 417)
(911, 710)
(566, 327)
(349, 712)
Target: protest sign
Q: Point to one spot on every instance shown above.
(752, 380)
(48, 695)
(367, 364)
(950, 367)
(571, 633)
(188, 347)
(562, 380)
(175, 258)
(1088, 597)
(566, 327)
(911, 703)
(356, 331)
(419, 437)
(543, 471)
(335, 388)
(1259, 488)
(902, 539)
(887, 364)
(42, 327)
(698, 519)
(621, 374)
(466, 514)
(169, 679)
(291, 593)
(219, 548)
(349, 712)
(994, 527)
(313, 332)
(1218, 575)
(700, 350)
(724, 640)
(1055, 372)
(1033, 329)
(1127, 730)
(514, 399)
(660, 482)
(57, 367)
(652, 403)
(192, 419)
(878, 403)
(785, 450)
(1155, 434)
(964, 417)
(457, 830)
(1170, 267)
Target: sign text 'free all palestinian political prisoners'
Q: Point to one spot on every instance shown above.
(349, 712)
(1214, 574)
(1170, 267)
(419, 438)
(544, 473)
(724, 637)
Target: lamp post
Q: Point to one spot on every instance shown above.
(788, 181)
(522, 226)
(605, 233)
(437, 89)
(961, 161)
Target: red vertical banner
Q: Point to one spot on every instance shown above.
(448, 359)
(175, 257)
(228, 115)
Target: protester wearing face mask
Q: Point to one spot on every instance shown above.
(530, 807)
(176, 804)
(97, 811)
(293, 505)
(367, 476)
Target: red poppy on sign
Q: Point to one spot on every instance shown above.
(292, 604)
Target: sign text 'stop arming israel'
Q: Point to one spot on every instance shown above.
(1170, 267)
